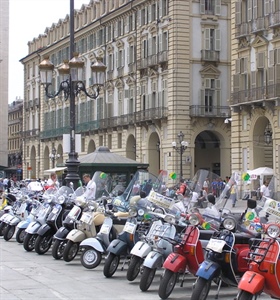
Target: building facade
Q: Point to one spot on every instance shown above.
(255, 84)
(168, 71)
(4, 75)
(15, 123)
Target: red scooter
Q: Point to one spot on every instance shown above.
(187, 255)
(264, 264)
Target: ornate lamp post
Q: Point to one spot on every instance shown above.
(71, 84)
(268, 134)
(180, 149)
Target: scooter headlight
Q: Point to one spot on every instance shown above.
(193, 219)
(169, 219)
(141, 212)
(273, 231)
(229, 224)
(132, 212)
(80, 201)
(60, 199)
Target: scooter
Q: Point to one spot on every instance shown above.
(62, 206)
(188, 254)
(69, 223)
(40, 219)
(8, 206)
(92, 249)
(264, 265)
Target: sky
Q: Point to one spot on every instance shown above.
(29, 19)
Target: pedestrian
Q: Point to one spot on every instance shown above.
(264, 190)
(206, 185)
(52, 181)
(182, 188)
(90, 187)
(233, 195)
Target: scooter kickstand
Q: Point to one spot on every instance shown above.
(218, 290)
(183, 279)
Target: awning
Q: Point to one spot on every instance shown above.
(57, 169)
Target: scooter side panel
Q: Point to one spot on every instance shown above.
(175, 262)
(251, 282)
(14, 221)
(33, 227)
(141, 249)
(44, 229)
(208, 270)
(76, 236)
(117, 247)
(94, 243)
(153, 260)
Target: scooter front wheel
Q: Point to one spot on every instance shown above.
(20, 235)
(147, 278)
(8, 232)
(29, 241)
(167, 284)
(111, 265)
(201, 289)
(70, 251)
(42, 244)
(90, 258)
(244, 295)
(134, 267)
(58, 248)
(3, 225)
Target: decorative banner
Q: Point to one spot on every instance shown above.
(272, 207)
(173, 175)
(245, 176)
(160, 200)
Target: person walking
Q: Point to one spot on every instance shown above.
(233, 195)
(52, 181)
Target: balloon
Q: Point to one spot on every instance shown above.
(173, 175)
(250, 216)
(245, 176)
(103, 175)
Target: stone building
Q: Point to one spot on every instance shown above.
(168, 71)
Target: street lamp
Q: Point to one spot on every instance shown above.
(54, 156)
(180, 149)
(71, 84)
(268, 134)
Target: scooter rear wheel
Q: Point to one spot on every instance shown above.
(167, 284)
(244, 295)
(147, 278)
(90, 258)
(111, 265)
(20, 235)
(70, 251)
(134, 267)
(8, 232)
(201, 289)
(58, 248)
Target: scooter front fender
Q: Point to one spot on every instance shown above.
(175, 263)
(94, 243)
(23, 224)
(76, 236)
(251, 282)
(141, 249)
(33, 227)
(44, 229)
(117, 247)
(14, 221)
(61, 234)
(208, 270)
(153, 260)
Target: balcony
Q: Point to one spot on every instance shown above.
(30, 133)
(120, 71)
(162, 57)
(258, 25)
(53, 133)
(210, 55)
(210, 111)
(142, 63)
(152, 60)
(243, 30)
(274, 19)
(110, 75)
(131, 68)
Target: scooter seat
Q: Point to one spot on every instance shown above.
(205, 234)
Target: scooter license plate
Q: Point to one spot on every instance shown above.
(86, 218)
(129, 227)
(105, 229)
(216, 245)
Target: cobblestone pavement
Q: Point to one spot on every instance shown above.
(29, 276)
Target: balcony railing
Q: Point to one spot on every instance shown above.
(258, 25)
(274, 19)
(142, 63)
(152, 60)
(131, 68)
(52, 133)
(209, 111)
(210, 55)
(243, 29)
(255, 94)
(30, 133)
(162, 56)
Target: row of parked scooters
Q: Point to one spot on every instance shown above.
(142, 231)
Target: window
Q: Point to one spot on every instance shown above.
(210, 7)
(120, 58)
(212, 39)
(211, 95)
(131, 54)
(144, 53)
(163, 8)
(111, 62)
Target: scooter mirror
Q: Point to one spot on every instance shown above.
(251, 203)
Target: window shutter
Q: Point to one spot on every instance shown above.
(217, 39)
(249, 11)
(237, 66)
(123, 58)
(126, 93)
(260, 60)
(207, 83)
(133, 21)
(277, 74)
(271, 59)
(149, 13)
(218, 84)
(160, 9)
(202, 6)
(270, 75)
(238, 13)
(202, 97)
(236, 83)
(207, 39)
(218, 97)
(218, 7)
(278, 56)
(253, 79)
(267, 7)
